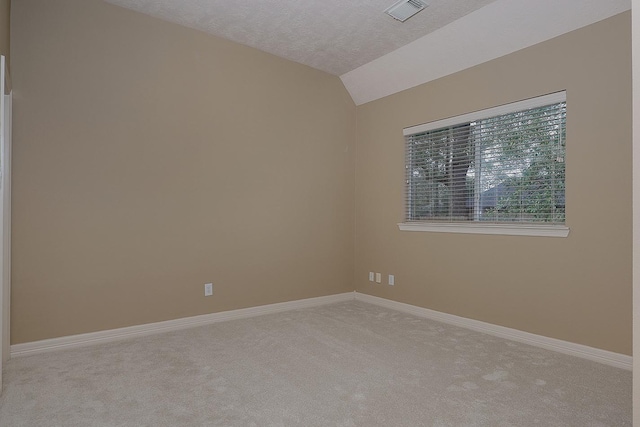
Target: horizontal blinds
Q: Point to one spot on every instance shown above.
(502, 168)
(526, 104)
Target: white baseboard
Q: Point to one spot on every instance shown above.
(81, 340)
(597, 355)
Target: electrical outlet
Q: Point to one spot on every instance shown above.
(371, 276)
(392, 280)
(378, 278)
(208, 289)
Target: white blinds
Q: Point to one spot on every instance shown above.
(505, 164)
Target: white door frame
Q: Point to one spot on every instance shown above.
(5, 212)
(635, 53)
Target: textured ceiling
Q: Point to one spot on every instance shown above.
(495, 30)
(335, 36)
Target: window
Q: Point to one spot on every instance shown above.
(498, 171)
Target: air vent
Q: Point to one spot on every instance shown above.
(405, 9)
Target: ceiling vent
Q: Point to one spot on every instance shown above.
(405, 9)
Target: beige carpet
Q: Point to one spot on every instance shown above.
(347, 364)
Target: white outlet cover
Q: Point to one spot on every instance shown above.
(371, 276)
(378, 277)
(208, 289)
(392, 280)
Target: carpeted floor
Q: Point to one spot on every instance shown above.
(347, 364)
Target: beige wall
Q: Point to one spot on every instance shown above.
(150, 159)
(5, 7)
(576, 289)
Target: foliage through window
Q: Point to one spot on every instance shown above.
(502, 165)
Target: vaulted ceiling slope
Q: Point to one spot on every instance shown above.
(500, 28)
(374, 54)
(335, 36)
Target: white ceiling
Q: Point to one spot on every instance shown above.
(500, 28)
(335, 36)
(374, 54)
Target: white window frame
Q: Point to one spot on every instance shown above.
(476, 227)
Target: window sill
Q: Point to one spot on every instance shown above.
(497, 229)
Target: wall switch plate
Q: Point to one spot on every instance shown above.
(378, 278)
(371, 276)
(392, 280)
(208, 289)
